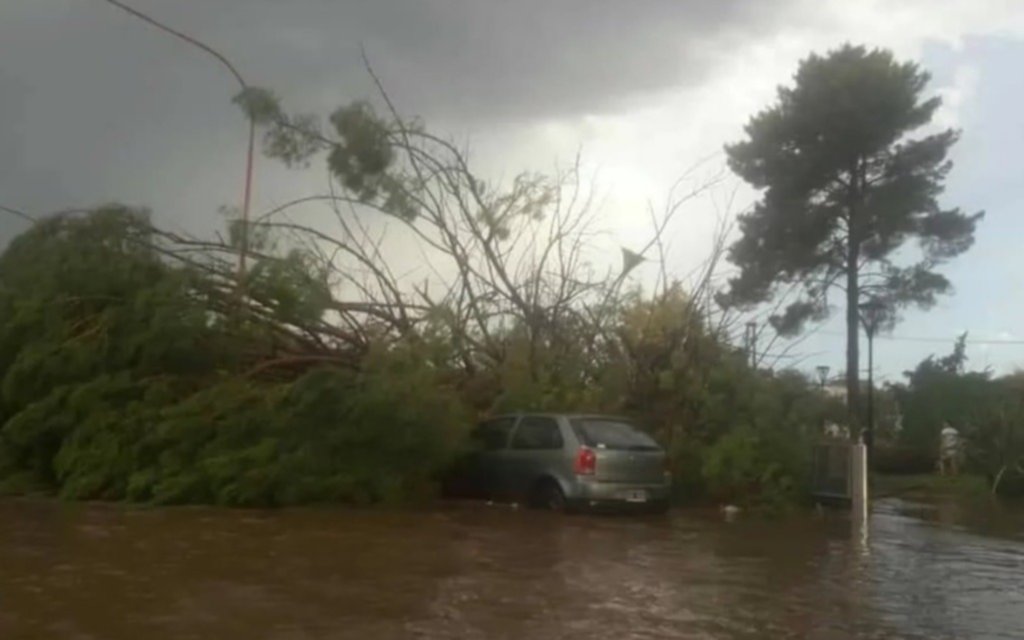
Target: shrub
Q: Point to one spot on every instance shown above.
(903, 460)
(749, 468)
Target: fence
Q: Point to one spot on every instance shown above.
(831, 478)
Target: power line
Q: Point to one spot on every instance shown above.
(995, 341)
(17, 212)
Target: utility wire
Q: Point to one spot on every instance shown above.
(970, 340)
(17, 212)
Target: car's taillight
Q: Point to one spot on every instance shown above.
(586, 462)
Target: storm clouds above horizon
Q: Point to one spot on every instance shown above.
(96, 106)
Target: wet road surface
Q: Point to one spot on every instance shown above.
(471, 571)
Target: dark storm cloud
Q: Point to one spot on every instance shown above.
(96, 106)
(469, 58)
(480, 60)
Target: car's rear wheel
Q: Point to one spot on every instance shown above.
(549, 496)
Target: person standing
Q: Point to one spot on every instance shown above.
(949, 450)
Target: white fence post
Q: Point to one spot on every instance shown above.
(859, 481)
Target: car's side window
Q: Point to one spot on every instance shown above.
(537, 433)
(493, 434)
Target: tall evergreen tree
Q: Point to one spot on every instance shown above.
(845, 187)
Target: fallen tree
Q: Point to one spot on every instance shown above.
(136, 366)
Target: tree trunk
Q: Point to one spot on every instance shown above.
(853, 304)
(852, 350)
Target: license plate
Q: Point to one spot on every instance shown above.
(635, 496)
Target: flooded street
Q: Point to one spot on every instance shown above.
(88, 571)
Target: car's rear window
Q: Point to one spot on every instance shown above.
(612, 434)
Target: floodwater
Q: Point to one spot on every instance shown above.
(461, 571)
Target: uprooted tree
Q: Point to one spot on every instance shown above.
(845, 188)
(131, 366)
(512, 272)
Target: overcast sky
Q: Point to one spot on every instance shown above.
(95, 106)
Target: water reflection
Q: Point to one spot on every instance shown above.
(74, 571)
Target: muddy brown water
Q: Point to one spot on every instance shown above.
(471, 571)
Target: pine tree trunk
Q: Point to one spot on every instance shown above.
(853, 309)
(853, 239)
(852, 352)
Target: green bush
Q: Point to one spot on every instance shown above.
(330, 436)
(749, 468)
(903, 459)
(117, 383)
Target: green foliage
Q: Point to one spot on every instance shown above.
(260, 105)
(361, 153)
(767, 426)
(845, 188)
(897, 458)
(842, 180)
(328, 436)
(292, 139)
(988, 412)
(118, 383)
(295, 286)
(90, 296)
(731, 433)
(741, 467)
(364, 154)
(119, 380)
(939, 390)
(995, 436)
(930, 486)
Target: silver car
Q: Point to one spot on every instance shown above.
(563, 461)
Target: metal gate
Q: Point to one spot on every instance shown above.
(831, 479)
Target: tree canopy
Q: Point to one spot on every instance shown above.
(845, 186)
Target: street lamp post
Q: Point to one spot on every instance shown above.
(871, 315)
(250, 149)
(822, 370)
(752, 343)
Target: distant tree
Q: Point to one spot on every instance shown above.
(988, 412)
(940, 390)
(844, 189)
(994, 435)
